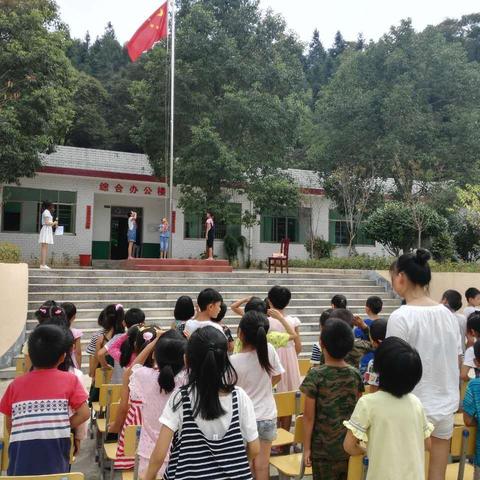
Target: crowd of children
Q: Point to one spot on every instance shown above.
(205, 400)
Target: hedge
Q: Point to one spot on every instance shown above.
(9, 253)
(364, 262)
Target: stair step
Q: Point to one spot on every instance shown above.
(156, 293)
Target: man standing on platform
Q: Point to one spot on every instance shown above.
(209, 235)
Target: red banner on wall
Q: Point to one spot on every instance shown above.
(174, 220)
(88, 217)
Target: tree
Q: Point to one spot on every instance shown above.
(354, 191)
(240, 96)
(410, 104)
(339, 45)
(316, 65)
(36, 85)
(106, 56)
(89, 128)
(398, 228)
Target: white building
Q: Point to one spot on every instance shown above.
(94, 190)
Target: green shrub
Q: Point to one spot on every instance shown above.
(319, 248)
(358, 262)
(364, 262)
(9, 253)
(443, 247)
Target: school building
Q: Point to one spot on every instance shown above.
(94, 190)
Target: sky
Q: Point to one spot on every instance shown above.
(372, 18)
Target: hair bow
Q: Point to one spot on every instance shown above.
(147, 336)
(42, 310)
(118, 306)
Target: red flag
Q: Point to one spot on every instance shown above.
(152, 31)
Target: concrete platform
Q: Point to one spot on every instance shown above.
(177, 265)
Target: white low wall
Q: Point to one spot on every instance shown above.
(14, 301)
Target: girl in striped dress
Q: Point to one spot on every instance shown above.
(130, 409)
(208, 421)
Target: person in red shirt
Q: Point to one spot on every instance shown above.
(42, 406)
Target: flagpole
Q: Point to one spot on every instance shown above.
(172, 118)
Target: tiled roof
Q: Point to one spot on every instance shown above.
(98, 160)
(305, 178)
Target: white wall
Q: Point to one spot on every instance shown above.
(154, 209)
(69, 244)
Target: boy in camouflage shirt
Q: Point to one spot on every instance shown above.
(331, 392)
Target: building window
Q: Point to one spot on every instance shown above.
(22, 209)
(294, 225)
(195, 224)
(338, 232)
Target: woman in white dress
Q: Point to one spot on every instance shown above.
(432, 329)
(46, 233)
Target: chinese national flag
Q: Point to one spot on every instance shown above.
(152, 31)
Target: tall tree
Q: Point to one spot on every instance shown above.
(316, 65)
(89, 128)
(36, 85)
(409, 105)
(239, 99)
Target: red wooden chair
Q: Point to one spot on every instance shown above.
(280, 259)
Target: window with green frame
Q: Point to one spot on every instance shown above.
(294, 224)
(21, 210)
(338, 232)
(195, 224)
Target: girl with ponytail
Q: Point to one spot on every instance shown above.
(152, 381)
(432, 329)
(130, 408)
(209, 416)
(259, 369)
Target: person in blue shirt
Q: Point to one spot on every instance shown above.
(471, 407)
(373, 307)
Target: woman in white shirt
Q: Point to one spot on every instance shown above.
(46, 233)
(433, 331)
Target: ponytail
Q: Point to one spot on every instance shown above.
(169, 355)
(128, 346)
(210, 372)
(112, 318)
(254, 326)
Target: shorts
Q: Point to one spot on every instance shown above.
(132, 236)
(210, 239)
(163, 244)
(267, 430)
(443, 426)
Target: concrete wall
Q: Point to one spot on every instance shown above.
(442, 281)
(14, 299)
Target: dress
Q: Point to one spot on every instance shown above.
(134, 417)
(46, 233)
(145, 389)
(291, 379)
(395, 430)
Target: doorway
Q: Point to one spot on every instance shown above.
(119, 230)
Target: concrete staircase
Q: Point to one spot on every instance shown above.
(156, 293)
